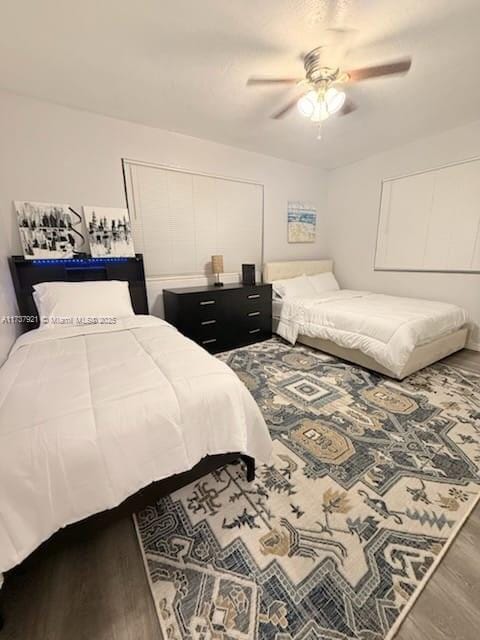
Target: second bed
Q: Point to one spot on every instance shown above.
(392, 335)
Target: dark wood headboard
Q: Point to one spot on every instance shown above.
(26, 273)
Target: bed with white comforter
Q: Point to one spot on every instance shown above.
(90, 415)
(385, 328)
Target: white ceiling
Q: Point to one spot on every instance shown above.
(183, 64)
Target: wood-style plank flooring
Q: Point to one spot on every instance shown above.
(93, 587)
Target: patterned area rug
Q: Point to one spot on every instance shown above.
(370, 481)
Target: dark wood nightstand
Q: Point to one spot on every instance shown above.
(221, 318)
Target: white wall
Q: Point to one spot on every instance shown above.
(353, 205)
(55, 154)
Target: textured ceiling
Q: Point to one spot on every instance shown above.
(183, 64)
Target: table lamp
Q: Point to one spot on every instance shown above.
(217, 269)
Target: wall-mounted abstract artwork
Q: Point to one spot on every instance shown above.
(301, 222)
(48, 230)
(109, 232)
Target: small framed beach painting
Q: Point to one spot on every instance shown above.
(301, 222)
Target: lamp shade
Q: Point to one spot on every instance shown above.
(217, 264)
(334, 100)
(306, 104)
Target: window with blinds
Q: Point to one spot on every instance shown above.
(430, 221)
(180, 219)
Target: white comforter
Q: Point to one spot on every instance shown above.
(386, 328)
(88, 416)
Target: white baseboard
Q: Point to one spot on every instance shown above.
(473, 345)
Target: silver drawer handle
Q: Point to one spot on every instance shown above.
(253, 295)
(209, 341)
(254, 313)
(208, 322)
(254, 331)
(207, 302)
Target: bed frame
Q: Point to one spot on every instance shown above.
(420, 357)
(26, 273)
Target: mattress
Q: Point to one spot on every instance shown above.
(385, 328)
(90, 415)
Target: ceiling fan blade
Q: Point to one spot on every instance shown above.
(348, 107)
(269, 81)
(388, 69)
(288, 107)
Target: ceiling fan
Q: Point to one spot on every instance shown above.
(320, 93)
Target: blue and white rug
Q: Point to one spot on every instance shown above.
(370, 481)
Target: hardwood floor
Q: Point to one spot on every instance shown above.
(93, 586)
(449, 606)
(88, 587)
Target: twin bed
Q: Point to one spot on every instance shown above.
(391, 335)
(91, 414)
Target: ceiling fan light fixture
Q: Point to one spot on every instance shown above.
(334, 100)
(320, 113)
(320, 97)
(307, 103)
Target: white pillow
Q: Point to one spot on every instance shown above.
(299, 287)
(322, 282)
(80, 303)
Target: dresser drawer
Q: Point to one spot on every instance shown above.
(260, 295)
(196, 309)
(205, 303)
(199, 329)
(211, 338)
(251, 299)
(208, 333)
(254, 309)
(249, 321)
(212, 343)
(201, 303)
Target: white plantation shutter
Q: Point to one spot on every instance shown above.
(180, 219)
(430, 220)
